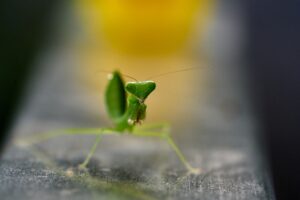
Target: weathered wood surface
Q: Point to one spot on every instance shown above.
(125, 167)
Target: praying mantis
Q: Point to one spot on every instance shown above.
(125, 105)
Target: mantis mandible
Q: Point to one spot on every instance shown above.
(125, 105)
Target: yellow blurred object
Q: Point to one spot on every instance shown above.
(143, 27)
(143, 38)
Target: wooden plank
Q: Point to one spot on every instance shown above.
(127, 167)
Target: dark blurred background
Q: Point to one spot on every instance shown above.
(24, 28)
(273, 54)
(272, 58)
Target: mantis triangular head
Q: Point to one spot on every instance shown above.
(140, 89)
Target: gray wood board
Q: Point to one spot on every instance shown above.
(125, 167)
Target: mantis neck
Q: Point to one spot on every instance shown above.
(135, 113)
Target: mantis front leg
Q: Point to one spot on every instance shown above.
(90, 154)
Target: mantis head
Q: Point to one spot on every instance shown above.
(140, 89)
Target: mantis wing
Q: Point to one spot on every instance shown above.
(115, 97)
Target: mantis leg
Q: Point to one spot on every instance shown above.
(87, 131)
(166, 136)
(71, 131)
(90, 154)
(163, 127)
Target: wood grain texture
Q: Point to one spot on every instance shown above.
(222, 141)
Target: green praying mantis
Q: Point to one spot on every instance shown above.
(125, 105)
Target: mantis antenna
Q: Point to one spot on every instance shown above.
(109, 72)
(154, 76)
(172, 72)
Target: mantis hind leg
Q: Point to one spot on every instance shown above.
(30, 140)
(73, 131)
(181, 156)
(161, 127)
(163, 134)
